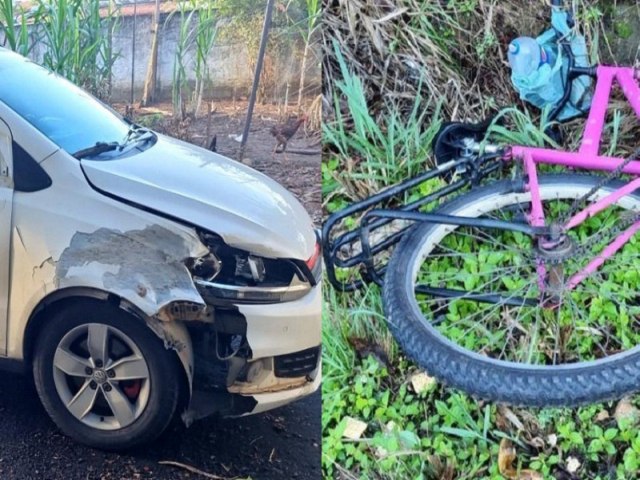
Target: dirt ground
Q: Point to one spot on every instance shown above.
(298, 173)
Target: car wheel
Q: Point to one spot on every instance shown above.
(104, 377)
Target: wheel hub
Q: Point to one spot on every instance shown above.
(99, 376)
(555, 248)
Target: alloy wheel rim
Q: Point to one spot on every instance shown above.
(101, 376)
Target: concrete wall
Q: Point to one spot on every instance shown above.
(228, 63)
(229, 66)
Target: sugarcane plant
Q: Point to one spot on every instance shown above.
(73, 38)
(185, 38)
(205, 38)
(14, 28)
(197, 33)
(311, 26)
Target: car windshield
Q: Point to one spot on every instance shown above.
(67, 115)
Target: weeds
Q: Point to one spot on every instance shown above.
(378, 153)
(401, 69)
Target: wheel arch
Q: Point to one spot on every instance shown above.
(174, 334)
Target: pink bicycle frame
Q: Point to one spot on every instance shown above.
(589, 158)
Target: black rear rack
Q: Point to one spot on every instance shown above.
(381, 210)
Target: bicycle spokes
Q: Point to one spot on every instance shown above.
(502, 308)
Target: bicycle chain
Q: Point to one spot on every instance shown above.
(614, 174)
(615, 231)
(627, 218)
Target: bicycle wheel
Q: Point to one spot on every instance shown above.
(532, 347)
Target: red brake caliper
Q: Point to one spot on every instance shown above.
(132, 389)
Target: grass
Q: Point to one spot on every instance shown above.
(443, 432)
(447, 61)
(386, 152)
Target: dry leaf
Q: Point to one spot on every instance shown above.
(354, 429)
(536, 442)
(529, 475)
(421, 382)
(381, 452)
(365, 348)
(626, 412)
(507, 413)
(506, 458)
(440, 470)
(573, 464)
(602, 416)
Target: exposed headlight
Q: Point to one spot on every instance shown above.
(250, 267)
(214, 292)
(206, 268)
(229, 274)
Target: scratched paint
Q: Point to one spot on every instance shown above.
(147, 263)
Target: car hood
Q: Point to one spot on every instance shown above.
(246, 208)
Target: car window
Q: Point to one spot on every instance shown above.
(66, 114)
(28, 175)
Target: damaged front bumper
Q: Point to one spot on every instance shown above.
(255, 357)
(269, 400)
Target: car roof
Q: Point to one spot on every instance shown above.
(9, 56)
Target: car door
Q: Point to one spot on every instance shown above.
(6, 198)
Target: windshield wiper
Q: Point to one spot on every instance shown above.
(97, 149)
(136, 133)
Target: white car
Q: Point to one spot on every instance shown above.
(143, 278)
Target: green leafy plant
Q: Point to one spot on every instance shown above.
(75, 35)
(445, 64)
(205, 37)
(16, 35)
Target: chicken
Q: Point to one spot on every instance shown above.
(284, 133)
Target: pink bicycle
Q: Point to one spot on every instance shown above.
(525, 289)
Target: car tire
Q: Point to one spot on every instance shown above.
(161, 388)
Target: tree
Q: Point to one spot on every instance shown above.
(149, 90)
(243, 21)
(312, 24)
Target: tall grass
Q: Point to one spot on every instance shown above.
(312, 24)
(377, 153)
(515, 127)
(197, 31)
(180, 82)
(205, 37)
(14, 27)
(75, 37)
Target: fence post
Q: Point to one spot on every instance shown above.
(133, 49)
(256, 79)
